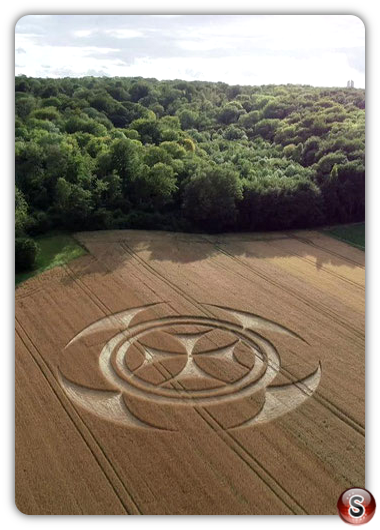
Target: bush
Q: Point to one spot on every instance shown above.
(26, 250)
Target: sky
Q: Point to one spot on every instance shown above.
(318, 50)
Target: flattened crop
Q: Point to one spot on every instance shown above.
(184, 374)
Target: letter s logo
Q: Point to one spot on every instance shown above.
(356, 507)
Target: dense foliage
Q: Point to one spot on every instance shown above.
(97, 153)
(25, 253)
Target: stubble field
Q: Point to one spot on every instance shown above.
(188, 374)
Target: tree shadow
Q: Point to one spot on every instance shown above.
(110, 250)
(113, 250)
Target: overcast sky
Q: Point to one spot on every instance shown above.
(320, 50)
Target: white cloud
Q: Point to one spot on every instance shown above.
(124, 33)
(65, 60)
(322, 50)
(328, 70)
(199, 45)
(287, 31)
(83, 32)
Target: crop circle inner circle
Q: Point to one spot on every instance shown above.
(115, 369)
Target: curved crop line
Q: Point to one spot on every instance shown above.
(280, 400)
(110, 404)
(105, 404)
(252, 321)
(121, 319)
(245, 387)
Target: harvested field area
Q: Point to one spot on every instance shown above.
(168, 373)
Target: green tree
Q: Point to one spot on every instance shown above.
(276, 109)
(93, 152)
(148, 130)
(249, 120)
(267, 128)
(25, 104)
(327, 162)
(234, 133)
(46, 113)
(210, 198)
(230, 113)
(279, 203)
(188, 144)
(124, 159)
(73, 203)
(139, 90)
(188, 119)
(155, 187)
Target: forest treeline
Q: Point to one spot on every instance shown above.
(102, 153)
